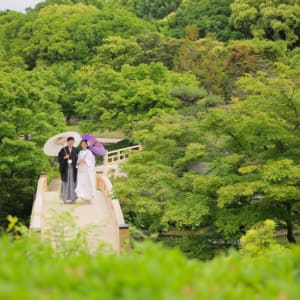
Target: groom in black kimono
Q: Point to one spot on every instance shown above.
(67, 158)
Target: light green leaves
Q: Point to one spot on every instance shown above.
(267, 19)
(239, 193)
(120, 99)
(260, 239)
(117, 51)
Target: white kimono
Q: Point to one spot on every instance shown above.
(86, 176)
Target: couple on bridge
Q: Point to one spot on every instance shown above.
(77, 172)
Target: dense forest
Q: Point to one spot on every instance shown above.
(209, 88)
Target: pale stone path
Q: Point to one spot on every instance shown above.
(97, 215)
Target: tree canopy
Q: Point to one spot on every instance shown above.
(267, 19)
(27, 118)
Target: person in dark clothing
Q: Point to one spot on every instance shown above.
(67, 158)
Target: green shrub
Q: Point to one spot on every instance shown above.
(30, 270)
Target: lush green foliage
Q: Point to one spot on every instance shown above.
(58, 33)
(167, 198)
(209, 16)
(112, 99)
(158, 48)
(267, 19)
(25, 110)
(31, 270)
(260, 239)
(250, 154)
(249, 148)
(146, 9)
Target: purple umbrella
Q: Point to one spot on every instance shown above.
(94, 145)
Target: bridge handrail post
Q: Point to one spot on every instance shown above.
(123, 228)
(105, 160)
(118, 156)
(37, 207)
(45, 177)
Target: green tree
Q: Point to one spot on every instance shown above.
(156, 9)
(259, 164)
(157, 194)
(235, 164)
(97, 3)
(10, 24)
(260, 239)
(73, 32)
(267, 19)
(53, 32)
(158, 48)
(149, 10)
(208, 16)
(66, 81)
(247, 57)
(110, 99)
(203, 57)
(28, 115)
(117, 51)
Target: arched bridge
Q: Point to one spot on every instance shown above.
(102, 220)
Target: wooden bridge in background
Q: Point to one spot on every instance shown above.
(103, 217)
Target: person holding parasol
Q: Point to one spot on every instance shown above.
(67, 158)
(86, 181)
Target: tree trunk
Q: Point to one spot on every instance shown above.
(289, 225)
(290, 233)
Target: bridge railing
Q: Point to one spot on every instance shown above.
(104, 184)
(119, 155)
(37, 208)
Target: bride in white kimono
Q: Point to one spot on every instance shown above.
(86, 176)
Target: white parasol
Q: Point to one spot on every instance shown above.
(55, 143)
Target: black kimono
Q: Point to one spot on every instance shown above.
(68, 172)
